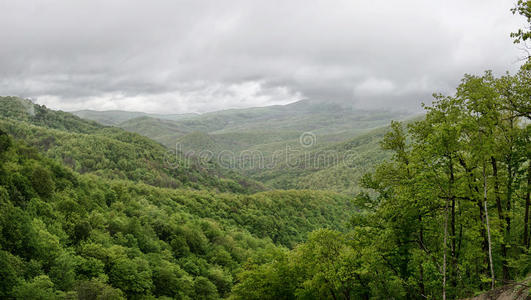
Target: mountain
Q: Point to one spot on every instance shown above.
(228, 138)
(68, 235)
(115, 117)
(88, 147)
(88, 212)
(336, 166)
(273, 121)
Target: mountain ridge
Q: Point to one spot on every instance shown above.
(114, 153)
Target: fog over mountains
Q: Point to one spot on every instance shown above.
(200, 56)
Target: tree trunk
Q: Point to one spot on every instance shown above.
(453, 272)
(444, 249)
(509, 198)
(501, 215)
(333, 294)
(421, 268)
(487, 223)
(527, 204)
(474, 190)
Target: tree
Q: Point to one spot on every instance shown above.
(10, 273)
(39, 288)
(523, 8)
(96, 288)
(131, 276)
(204, 289)
(42, 182)
(523, 35)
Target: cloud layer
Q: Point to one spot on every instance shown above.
(194, 56)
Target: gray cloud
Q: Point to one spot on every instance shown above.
(184, 56)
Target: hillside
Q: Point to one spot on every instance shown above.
(115, 117)
(304, 115)
(88, 147)
(260, 125)
(337, 167)
(445, 217)
(24, 110)
(66, 235)
(273, 133)
(333, 162)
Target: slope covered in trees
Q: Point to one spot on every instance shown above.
(111, 152)
(264, 130)
(66, 235)
(115, 117)
(345, 146)
(321, 117)
(448, 215)
(334, 166)
(19, 109)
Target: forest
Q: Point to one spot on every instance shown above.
(67, 235)
(451, 215)
(431, 207)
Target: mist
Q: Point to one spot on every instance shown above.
(200, 56)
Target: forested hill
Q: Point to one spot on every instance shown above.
(336, 166)
(88, 147)
(65, 236)
(339, 131)
(445, 218)
(115, 117)
(19, 109)
(306, 115)
(265, 129)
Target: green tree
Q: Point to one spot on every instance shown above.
(39, 288)
(131, 276)
(96, 288)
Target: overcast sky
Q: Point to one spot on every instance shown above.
(197, 56)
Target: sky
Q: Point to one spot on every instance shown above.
(167, 56)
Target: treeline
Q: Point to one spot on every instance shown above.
(24, 110)
(451, 216)
(64, 235)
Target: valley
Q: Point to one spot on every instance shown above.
(259, 143)
(265, 150)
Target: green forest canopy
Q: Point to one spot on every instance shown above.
(451, 213)
(447, 216)
(64, 234)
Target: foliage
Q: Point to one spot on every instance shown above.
(522, 8)
(447, 216)
(24, 110)
(111, 152)
(66, 235)
(270, 130)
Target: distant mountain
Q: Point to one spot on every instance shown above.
(115, 117)
(304, 115)
(109, 152)
(227, 136)
(240, 129)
